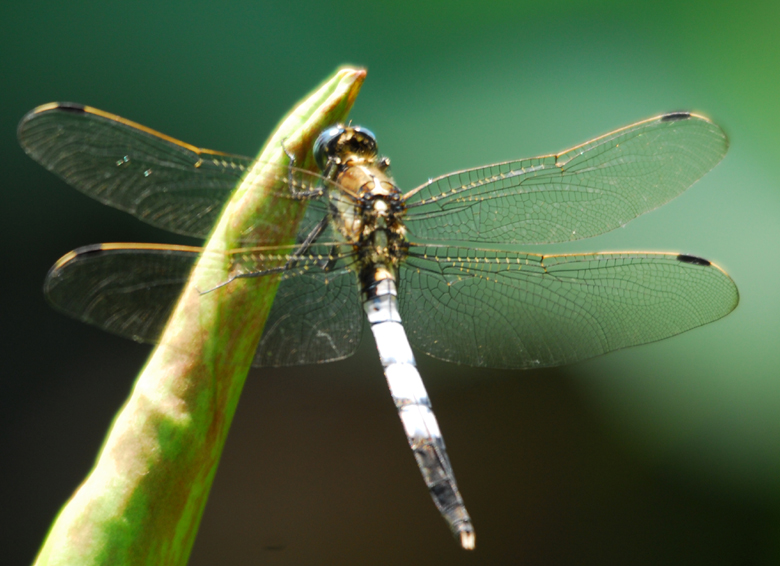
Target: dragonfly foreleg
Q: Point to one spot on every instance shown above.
(316, 192)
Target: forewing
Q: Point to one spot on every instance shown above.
(515, 310)
(163, 181)
(131, 290)
(590, 189)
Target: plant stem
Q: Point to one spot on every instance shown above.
(143, 501)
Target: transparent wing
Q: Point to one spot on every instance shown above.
(587, 190)
(126, 289)
(316, 316)
(165, 182)
(131, 290)
(515, 310)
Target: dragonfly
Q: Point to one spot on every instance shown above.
(417, 267)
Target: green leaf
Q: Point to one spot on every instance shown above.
(143, 500)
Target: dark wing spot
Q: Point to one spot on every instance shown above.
(70, 107)
(674, 116)
(693, 260)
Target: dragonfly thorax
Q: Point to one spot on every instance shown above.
(364, 198)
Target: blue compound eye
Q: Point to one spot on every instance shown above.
(325, 146)
(370, 138)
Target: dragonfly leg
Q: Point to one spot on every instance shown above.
(304, 247)
(251, 275)
(312, 236)
(318, 191)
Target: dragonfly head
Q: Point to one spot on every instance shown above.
(345, 145)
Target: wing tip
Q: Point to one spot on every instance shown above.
(682, 115)
(72, 107)
(78, 252)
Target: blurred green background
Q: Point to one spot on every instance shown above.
(662, 454)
